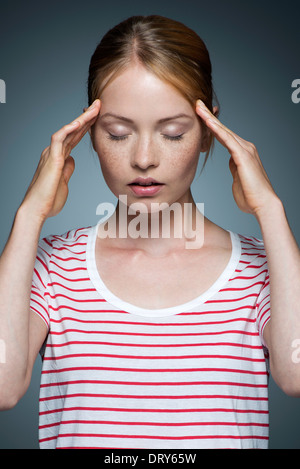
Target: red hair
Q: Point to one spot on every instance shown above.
(167, 48)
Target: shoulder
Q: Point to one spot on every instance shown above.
(226, 239)
(67, 238)
(52, 245)
(251, 245)
(252, 255)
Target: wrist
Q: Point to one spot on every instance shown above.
(273, 209)
(28, 218)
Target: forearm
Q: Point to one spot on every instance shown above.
(283, 256)
(16, 270)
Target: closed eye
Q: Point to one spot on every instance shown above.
(117, 137)
(174, 138)
(124, 137)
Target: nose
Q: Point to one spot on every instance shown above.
(144, 153)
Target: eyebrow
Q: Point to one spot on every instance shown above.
(160, 121)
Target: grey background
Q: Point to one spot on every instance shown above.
(44, 59)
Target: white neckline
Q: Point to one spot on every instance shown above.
(137, 310)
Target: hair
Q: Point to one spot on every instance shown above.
(165, 47)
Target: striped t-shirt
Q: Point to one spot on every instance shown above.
(115, 375)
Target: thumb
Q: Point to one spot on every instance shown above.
(232, 167)
(68, 168)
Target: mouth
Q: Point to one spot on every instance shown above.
(145, 182)
(145, 186)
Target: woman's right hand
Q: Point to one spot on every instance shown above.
(48, 190)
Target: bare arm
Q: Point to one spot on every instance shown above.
(16, 269)
(23, 332)
(253, 193)
(283, 330)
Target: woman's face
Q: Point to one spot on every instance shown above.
(147, 129)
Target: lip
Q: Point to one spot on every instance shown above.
(145, 190)
(141, 180)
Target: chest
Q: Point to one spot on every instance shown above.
(160, 282)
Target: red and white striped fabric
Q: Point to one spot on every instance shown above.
(118, 376)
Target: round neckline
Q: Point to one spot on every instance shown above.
(170, 311)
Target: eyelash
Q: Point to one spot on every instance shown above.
(175, 138)
(117, 138)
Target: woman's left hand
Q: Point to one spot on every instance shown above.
(251, 188)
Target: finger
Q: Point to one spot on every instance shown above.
(214, 124)
(225, 138)
(232, 167)
(70, 134)
(206, 114)
(68, 168)
(90, 113)
(80, 123)
(86, 120)
(73, 139)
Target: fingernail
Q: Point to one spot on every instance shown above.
(200, 103)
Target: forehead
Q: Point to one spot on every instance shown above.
(136, 91)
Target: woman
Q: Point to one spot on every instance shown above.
(147, 341)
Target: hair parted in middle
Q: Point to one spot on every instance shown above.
(166, 47)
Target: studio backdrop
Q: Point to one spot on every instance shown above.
(45, 48)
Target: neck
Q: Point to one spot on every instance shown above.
(158, 230)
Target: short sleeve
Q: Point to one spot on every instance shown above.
(38, 300)
(263, 304)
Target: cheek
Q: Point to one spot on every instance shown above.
(186, 153)
(110, 163)
(110, 157)
(184, 158)
(181, 157)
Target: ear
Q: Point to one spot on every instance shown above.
(216, 111)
